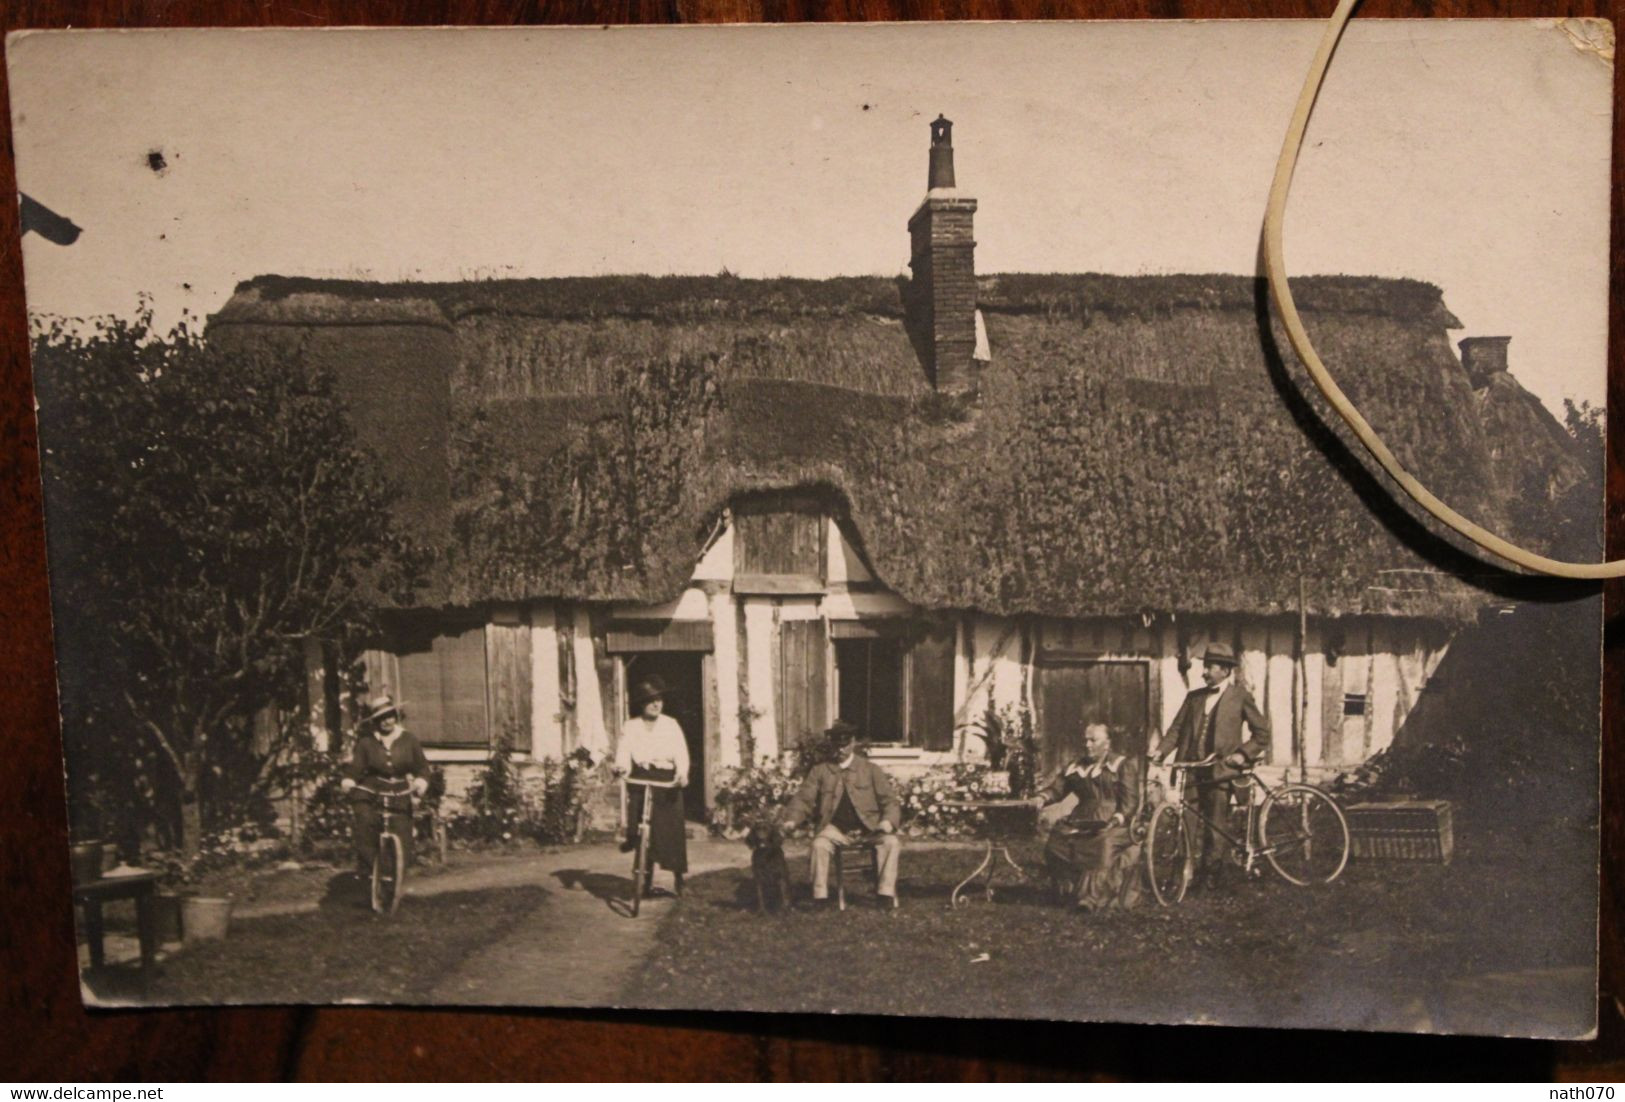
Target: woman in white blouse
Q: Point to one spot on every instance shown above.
(653, 748)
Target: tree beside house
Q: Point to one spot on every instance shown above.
(211, 519)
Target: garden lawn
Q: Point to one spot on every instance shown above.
(1495, 942)
(341, 952)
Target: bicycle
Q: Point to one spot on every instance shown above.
(641, 868)
(389, 865)
(1297, 828)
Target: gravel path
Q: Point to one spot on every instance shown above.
(578, 947)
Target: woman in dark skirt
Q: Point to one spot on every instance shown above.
(386, 758)
(1091, 852)
(652, 747)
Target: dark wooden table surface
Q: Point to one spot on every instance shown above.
(48, 1035)
(92, 895)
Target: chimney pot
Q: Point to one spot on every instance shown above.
(942, 155)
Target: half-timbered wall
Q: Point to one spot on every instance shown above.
(767, 622)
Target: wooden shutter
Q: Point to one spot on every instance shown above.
(508, 648)
(931, 690)
(779, 538)
(803, 681)
(442, 690)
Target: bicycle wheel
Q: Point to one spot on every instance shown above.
(1304, 835)
(1168, 854)
(640, 869)
(388, 872)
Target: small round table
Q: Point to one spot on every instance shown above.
(997, 842)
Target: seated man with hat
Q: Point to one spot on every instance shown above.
(852, 801)
(1210, 723)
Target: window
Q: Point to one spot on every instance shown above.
(1354, 704)
(895, 681)
(869, 673)
(440, 684)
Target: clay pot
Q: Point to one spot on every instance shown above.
(86, 861)
(205, 917)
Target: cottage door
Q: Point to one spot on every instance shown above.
(683, 673)
(1068, 696)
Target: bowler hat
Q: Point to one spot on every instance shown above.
(650, 688)
(380, 706)
(1219, 653)
(841, 732)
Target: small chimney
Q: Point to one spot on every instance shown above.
(943, 287)
(1483, 357)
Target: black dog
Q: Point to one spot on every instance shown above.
(768, 867)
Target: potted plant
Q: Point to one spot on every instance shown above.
(85, 858)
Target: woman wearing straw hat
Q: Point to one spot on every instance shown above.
(386, 758)
(653, 748)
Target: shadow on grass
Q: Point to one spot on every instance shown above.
(1386, 947)
(614, 891)
(737, 893)
(342, 952)
(346, 891)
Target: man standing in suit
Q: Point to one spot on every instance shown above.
(1209, 723)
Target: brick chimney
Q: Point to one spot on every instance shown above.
(943, 287)
(1483, 357)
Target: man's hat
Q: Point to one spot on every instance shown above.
(380, 706)
(650, 688)
(1219, 653)
(841, 732)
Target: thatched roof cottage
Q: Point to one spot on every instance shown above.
(907, 501)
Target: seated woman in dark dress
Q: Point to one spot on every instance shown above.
(1091, 853)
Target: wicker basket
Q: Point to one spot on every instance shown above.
(1403, 830)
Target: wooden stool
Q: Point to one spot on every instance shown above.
(872, 848)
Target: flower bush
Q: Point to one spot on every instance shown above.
(556, 798)
(250, 845)
(493, 808)
(927, 798)
(746, 793)
(503, 806)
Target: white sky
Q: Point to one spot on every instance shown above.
(1473, 155)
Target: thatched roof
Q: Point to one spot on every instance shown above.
(1139, 443)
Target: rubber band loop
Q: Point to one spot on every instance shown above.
(1275, 270)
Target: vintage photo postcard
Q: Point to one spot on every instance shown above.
(824, 519)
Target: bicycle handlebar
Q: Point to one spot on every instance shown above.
(649, 783)
(385, 797)
(1203, 764)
